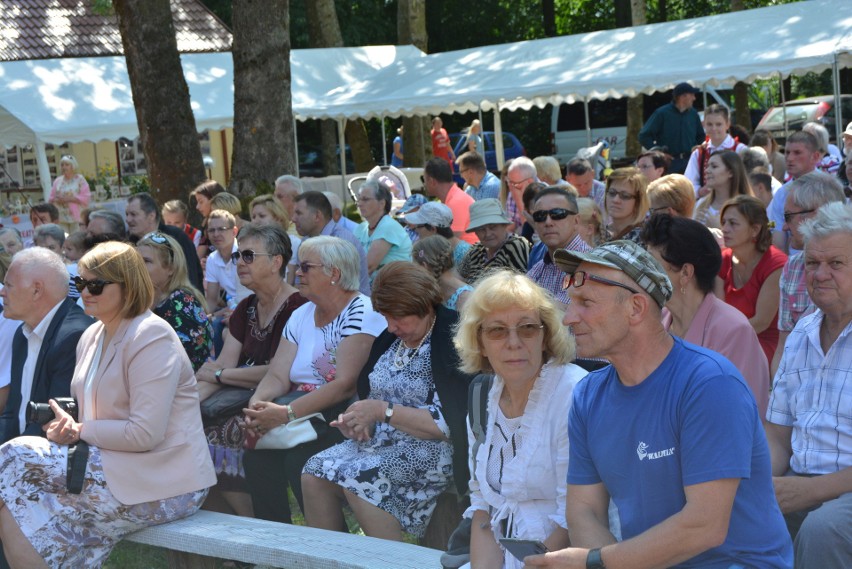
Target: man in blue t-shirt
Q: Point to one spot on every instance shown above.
(670, 431)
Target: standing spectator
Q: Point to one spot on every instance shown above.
(438, 183)
(69, 193)
(675, 126)
(808, 423)
(441, 142)
(716, 124)
(497, 248)
(581, 175)
(474, 139)
(397, 155)
(479, 182)
(175, 213)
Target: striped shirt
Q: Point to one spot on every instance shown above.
(550, 277)
(795, 301)
(513, 254)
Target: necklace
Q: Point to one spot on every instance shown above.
(273, 308)
(404, 354)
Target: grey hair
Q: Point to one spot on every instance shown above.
(49, 230)
(292, 181)
(335, 200)
(834, 217)
(547, 168)
(14, 231)
(275, 240)
(754, 157)
(816, 189)
(380, 192)
(46, 264)
(820, 133)
(115, 221)
(335, 253)
(68, 159)
(523, 163)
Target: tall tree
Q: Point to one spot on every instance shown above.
(635, 105)
(324, 31)
(161, 97)
(742, 116)
(264, 144)
(411, 29)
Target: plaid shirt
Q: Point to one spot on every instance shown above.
(795, 301)
(548, 276)
(813, 395)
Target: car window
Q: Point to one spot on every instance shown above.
(805, 112)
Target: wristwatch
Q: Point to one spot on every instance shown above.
(389, 412)
(594, 561)
(218, 375)
(291, 415)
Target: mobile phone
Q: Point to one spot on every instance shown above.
(520, 548)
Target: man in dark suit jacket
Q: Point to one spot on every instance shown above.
(36, 292)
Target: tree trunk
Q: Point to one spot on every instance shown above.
(160, 97)
(548, 14)
(411, 29)
(742, 116)
(635, 105)
(264, 145)
(324, 31)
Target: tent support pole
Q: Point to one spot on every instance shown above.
(498, 138)
(481, 126)
(783, 108)
(43, 168)
(295, 144)
(384, 142)
(341, 134)
(704, 96)
(838, 115)
(588, 122)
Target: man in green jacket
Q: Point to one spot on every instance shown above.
(675, 126)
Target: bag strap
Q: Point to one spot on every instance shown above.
(477, 406)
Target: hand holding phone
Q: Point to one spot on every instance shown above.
(521, 548)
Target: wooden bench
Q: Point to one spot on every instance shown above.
(201, 540)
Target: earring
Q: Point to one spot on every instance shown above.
(333, 283)
(682, 289)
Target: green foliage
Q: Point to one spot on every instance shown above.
(103, 7)
(137, 184)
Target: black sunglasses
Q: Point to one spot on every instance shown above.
(95, 286)
(555, 214)
(248, 256)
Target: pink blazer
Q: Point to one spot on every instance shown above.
(147, 422)
(720, 327)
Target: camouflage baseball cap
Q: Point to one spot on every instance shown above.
(627, 257)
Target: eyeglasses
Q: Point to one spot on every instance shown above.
(519, 183)
(524, 331)
(219, 229)
(555, 214)
(579, 278)
(788, 215)
(305, 266)
(463, 170)
(95, 286)
(623, 195)
(248, 256)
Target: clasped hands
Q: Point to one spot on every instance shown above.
(358, 422)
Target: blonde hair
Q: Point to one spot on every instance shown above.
(120, 263)
(176, 206)
(675, 191)
(223, 214)
(227, 202)
(589, 212)
(638, 183)
(171, 256)
(502, 290)
(274, 207)
(547, 169)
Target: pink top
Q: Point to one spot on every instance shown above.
(78, 186)
(722, 328)
(745, 299)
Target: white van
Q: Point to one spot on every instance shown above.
(608, 121)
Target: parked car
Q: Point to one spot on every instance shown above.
(811, 109)
(512, 147)
(311, 165)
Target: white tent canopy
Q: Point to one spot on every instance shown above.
(713, 50)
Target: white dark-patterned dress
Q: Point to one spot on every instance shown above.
(395, 471)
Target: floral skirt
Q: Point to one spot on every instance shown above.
(74, 530)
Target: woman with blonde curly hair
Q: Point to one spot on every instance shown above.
(512, 327)
(436, 254)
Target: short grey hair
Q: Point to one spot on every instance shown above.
(289, 180)
(335, 253)
(820, 133)
(832, 218)
(274, 239)
(115, 221)
(380, 192)
(13, 231)
(335, 200)
(49, 230)
(525, 164)
(816, 189)
(47, 265)
(754, 157)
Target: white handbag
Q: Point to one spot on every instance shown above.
(290, 434)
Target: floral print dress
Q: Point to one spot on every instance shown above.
(189, 319)
(394, 470)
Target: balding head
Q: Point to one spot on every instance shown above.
(286, 189)
(36, 281)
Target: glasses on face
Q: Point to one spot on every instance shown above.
(95, 286)
(219, 229)
(519, 183)
(362, 199)
(579, 278)
(248, 256)
(788, 215)
(623, 195)
(463, 171)
(555, 214)
(305, 266)
(524, 331)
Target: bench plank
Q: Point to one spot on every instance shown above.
(250, 540)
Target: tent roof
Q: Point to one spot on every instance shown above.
(77, 99)
(713, 50)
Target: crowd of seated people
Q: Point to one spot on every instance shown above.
(334, 366)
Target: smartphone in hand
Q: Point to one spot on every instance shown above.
(521, 548)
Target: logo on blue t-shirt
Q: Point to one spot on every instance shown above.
(642, 451)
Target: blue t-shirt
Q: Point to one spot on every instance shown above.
(693, 420)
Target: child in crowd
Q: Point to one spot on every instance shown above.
(716, 124)
(175, 213)
(74, 246)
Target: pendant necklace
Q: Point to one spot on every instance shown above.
(404, 354)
